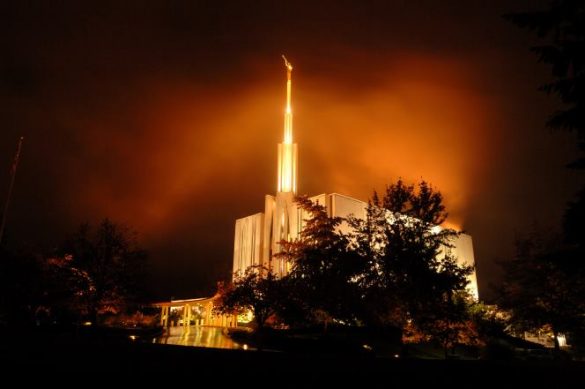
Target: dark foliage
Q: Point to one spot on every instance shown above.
(256, 290)
(544, 281)
(323, 272)
(561, 29)
(393, 270)
(104, 267)
(544, 286)
(411, 275)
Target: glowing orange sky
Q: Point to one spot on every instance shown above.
(168, 120)
(421, 120)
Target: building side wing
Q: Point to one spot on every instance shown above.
(462, 250)
(248, 242)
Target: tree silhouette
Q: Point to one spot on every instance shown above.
(450, 322)
(538, 262)
(411, 278)
(255, 290)
(103, 266)
(324, 271)
(394, 270)
(544, 286)
(561, 29)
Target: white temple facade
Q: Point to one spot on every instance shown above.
(257, 236)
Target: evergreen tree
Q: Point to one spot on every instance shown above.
(324, 271)
(561, 30)
(538, 262)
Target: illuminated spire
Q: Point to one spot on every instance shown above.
(288, 111)
(287, 151)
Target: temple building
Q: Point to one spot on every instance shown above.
(257, 236)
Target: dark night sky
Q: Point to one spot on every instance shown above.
(166, 115)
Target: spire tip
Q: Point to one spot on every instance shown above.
(286, 63)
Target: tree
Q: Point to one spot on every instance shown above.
(255, 290)
(394, 269)
(104, 267)
(543, 286)
(450, 322)
(411, 278)
(66, 290)
(561, 29)
(490, 321)
(324, 270)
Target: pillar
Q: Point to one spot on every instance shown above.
(164, 316)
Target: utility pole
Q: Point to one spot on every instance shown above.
(12, 175)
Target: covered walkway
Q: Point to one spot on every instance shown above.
(193, 312)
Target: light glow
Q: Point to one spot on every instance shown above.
(288, 110)
(287, 150)
(245, 317)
